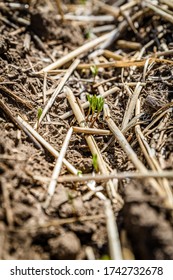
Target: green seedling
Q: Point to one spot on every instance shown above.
(89, 98)
(88, 34)
(79, 172)
(95, 162)
(100, 103)
(92, 105)
(82, 2)
(39, 113)
(105, 258)
(94, 71)
(96, 106)
(99, 108)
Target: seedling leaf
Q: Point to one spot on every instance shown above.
(95, 162)
(94, 70)
(39, 113)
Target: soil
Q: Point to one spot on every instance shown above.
(32, 37)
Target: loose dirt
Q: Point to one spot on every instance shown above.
(32, 36)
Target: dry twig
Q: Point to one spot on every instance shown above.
(57, 91)
(57, 168)
(113, 236)
(130, 152)
(113, 175)
(88, 46)
(39, 138)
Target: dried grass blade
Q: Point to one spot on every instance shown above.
(163, 13)
(17, 98)
(86, 47)
(7, 111)
(113, 175)
(151, 158)
(112, 230)
(124, 64)
(57, 91)
(45, 144)
(129, 151)
(87, 130)
(131, 106)
(57, 168)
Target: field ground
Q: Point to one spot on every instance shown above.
(131, 64)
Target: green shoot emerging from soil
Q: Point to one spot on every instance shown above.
(105, 257)
(96, 106)
(95, 162)
(94, 71)
(88, 34)
(79, 172)
(100, 103)
(83, 2)
(39, 113)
